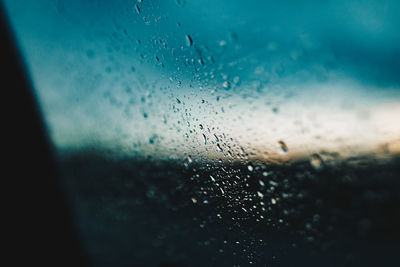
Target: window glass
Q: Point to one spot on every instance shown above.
(207, 133)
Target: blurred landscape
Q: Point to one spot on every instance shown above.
(222, 133)
(144, 212)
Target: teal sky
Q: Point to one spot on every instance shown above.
(123, 74)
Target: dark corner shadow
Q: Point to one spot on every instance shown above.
(39, 222)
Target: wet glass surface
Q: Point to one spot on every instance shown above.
(209, 133)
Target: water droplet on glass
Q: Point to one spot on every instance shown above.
(316, 162)
(219, 148)
(222, 43)
(226, 85)
(189, 158)
(250, 168)
(137, 9)
(283, 147)
(201, 61)
(205, 139)
(273, 183)
(273, 201)
(189, 40)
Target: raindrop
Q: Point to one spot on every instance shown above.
(283, 147)
(212, 178)
(273, 183)
(261, 183)
(137, 9)
(316, 162)
(250, 168)
(273, 201)
(205, 139)
(226, 85)
(219, 148)
(194, 200)
(261, 195)
(189, 158)
(189, 40)
(201, 61)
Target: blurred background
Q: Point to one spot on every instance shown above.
(221, 133)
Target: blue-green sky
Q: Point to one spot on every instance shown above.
(122, 73)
